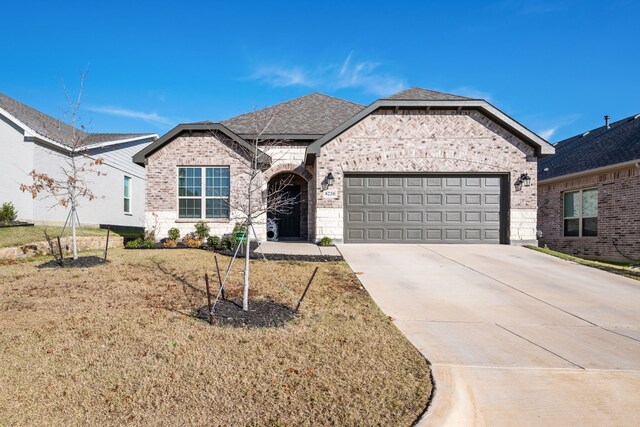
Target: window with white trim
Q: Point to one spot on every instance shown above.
(127, 194)
(581, 213)
(203, 192)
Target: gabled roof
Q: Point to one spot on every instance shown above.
(55, 130)
(307, 117)
(597, 148)
(419, 94)
(141, 156)
(436, 100)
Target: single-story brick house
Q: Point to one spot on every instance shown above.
(417, 167)
(588, 193)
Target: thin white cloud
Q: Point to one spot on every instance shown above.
(548, 127)
(282, 77)
(131, 114)
(364, 75)
(548, 133)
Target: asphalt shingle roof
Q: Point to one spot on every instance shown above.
(419, 94)
(594, 149)
(314, 114)
(56, 129)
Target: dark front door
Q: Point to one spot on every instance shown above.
(289, 222)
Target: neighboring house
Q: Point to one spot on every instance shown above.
(417, 167)
(31, 140)
(589, 193)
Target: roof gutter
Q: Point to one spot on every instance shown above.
(601, 169)
(282, 136)
(141, 156)
(120, 141)
(32, 134)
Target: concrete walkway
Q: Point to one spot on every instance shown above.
(296, 248)
(515, 337)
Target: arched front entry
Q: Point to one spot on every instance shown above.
(292, 216)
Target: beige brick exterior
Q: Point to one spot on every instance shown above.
(190, 149)
(206, 149)
(418, 140)
(427, 141)
(618, 214)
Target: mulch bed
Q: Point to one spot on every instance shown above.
(256, 255)
(261, 314)
(284, 257)
(81, 262)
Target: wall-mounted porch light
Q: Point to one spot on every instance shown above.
(328, 181)
(522, 179)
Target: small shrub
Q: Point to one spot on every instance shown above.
(170, 243)
(229, 242)
(8, 213)
(173, 234)
(202, 230)
(325, 241)
(140, 243)
(191, 241)
(213, 241)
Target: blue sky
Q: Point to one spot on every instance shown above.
(555, 66)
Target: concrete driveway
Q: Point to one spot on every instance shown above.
(515, 337)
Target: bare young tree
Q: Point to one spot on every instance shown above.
(260, 198)
(67, 188)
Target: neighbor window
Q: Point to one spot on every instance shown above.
(581, 213)
(127, 194)
(203, 192)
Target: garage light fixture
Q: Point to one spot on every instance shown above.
(522, 179)
(328, 181)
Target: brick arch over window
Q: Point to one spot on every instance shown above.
(297, 168)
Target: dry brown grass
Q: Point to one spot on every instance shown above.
(115, 344)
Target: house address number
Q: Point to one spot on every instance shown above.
(330, 194)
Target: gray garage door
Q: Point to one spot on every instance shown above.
(422, 208)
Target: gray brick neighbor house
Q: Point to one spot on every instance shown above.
(589, 192)
(417, 167)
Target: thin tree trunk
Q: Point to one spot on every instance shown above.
(73, 233)
(245, 291)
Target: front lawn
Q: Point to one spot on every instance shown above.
(623, 269)
(117, 344)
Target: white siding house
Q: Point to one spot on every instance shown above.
(31, 140)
